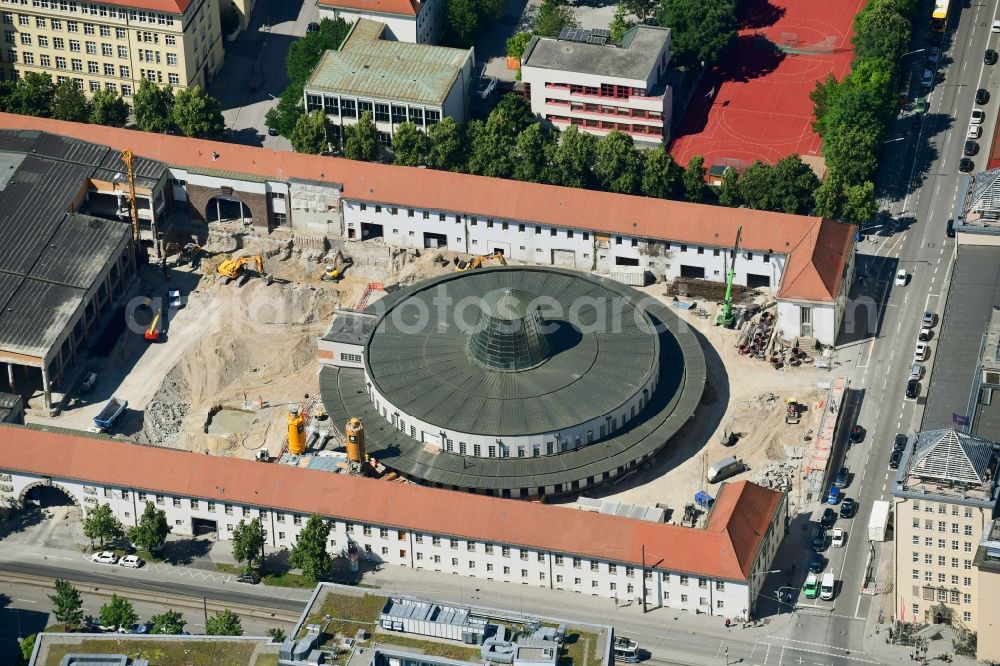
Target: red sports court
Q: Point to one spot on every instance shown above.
(754, 103)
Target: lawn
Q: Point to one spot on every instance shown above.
(268, 578)
(581, 648)
(448, 650)
(267, 659)
(161, 653)
(347, 613)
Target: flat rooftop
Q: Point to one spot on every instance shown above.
(350, 327)
(637, 57)
(368, 66)
(159, 650)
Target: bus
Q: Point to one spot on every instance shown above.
(939, 18)
(626, 650)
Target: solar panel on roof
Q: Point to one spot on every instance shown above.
(597, 39)
(600, 32)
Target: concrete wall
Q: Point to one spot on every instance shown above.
(332, 353)
(315, 209)
(988, 611)
(825, 320)
(425, 28)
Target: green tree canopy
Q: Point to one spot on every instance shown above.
(69, 103)
(446, 151)
(516, 44)
(490, 151)
(118, 613)
(309, 553)
(286, 113)
(168, 622)
(152, 529)
(694, 180)
(361, 140)
(196, 113)
(574, 158)
(248, 543)
(311, 134)
(701, 28)
(67, 604)
(108, 108)
(32, 95)
(224, 623)
(729, 192)
(552, 17)
(860, 204)
(153, 107)
(619, 23)
(830, 197)
(851, 152)
(787, 186)
(513, 114)
(662, 176)
(101, 524)
(642, 9)
(617, 164)
(534, 150)
(465, 18)
(410, 145)
(27, 646)
(277, 634)
(880, 31)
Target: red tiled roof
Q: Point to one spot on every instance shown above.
(726, 548)
(167, 6)
(816, 265)
(403, 7)
(589, 210)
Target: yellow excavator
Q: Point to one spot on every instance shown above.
(477, 262)
(335, 272)
(236, 269)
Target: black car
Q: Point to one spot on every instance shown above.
(966, 165)
(899, 443)
(912, 389)
(990, 57)
(829, 517)
(894, 459)
(817, 563)
(843, 476)
(250, 578)
(848, 508)
(819, 539)
(982, 96)
(971, 148)
(857, 434)
(950, 229)
(272, 131)
(312, 27)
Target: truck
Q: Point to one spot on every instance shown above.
(724, 469)
(878, 524)
(110, 413)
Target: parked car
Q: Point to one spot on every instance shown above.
(817, 563)
(857, 434)
(933, 53)
(925, 335)
(928, 319)
(829, 518)
(971, 148)
(921, 351)
(843, 476)
(272, 131)
(834, 496)
(811, 587)
(982, 96)
(978, 116)
(965, 166)
(950, 228)
(990, 57)
(312, 27)
(104, 557)
(927, 80)
(838, 538)
(912, 389)
(996, 26)
(848, 508)
(131, 561)
(916, 371)
(249, 578)
(826, 586)
(899, 443)
(88, 382)
(901, 277)
(895, 459)
(975, 131)
(819, 539)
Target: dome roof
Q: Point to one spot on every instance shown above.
(509, 336)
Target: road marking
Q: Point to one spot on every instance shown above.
(26, 601)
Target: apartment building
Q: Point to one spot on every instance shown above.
(414, 21)
(114, 44)
(943, 501)
(579, 79)
(396, 82)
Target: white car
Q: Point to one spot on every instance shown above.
(978, 116)
(901, 278)
(975, 131)
(175, 299)
(130, 561)
(839, 536)
(921, 351)
(996, 26)
(104, 557)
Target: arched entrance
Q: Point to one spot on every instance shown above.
(942, 614)
(225, 208)
(46, 495)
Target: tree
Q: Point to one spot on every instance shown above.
(880, 32)
(552, 18)
(694, 180)
(67, 604)
(27, 646)
(224, 623)
(286, 113)
(168, 622)
(574, 158)
(851, 152)
(276, 634)
(617, 164)
(446, 145)
(153, 107)
(516, 44)
(410, 145)
(108, 108)
(859, 203)
(513, 113)
(196, 113)
(534, 149)
(462, 20)
(361, 141)
(829, 197)
(490, 149)
(69, 103)
(701, 29)
(619, 24)
(152, 529)
(642, 9)
(662, 176)
(729, 192)
(32, 95)
(248, 543)
(305, 53)
(309, 553)
(101, 524)
(118, 613)
(311, 134)
(788, 186)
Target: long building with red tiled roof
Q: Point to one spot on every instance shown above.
(714, 568)
(415, 21)
(806, 262)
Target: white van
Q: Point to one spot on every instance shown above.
(826, 586)
(725, 469)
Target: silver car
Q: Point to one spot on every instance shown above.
(928, 320)
(916, 371)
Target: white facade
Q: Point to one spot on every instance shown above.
(441, 553)
(423, 28)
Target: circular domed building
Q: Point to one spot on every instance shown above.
(515, 381)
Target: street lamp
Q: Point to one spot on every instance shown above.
(912, 52)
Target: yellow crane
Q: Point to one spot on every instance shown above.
(130, 175)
